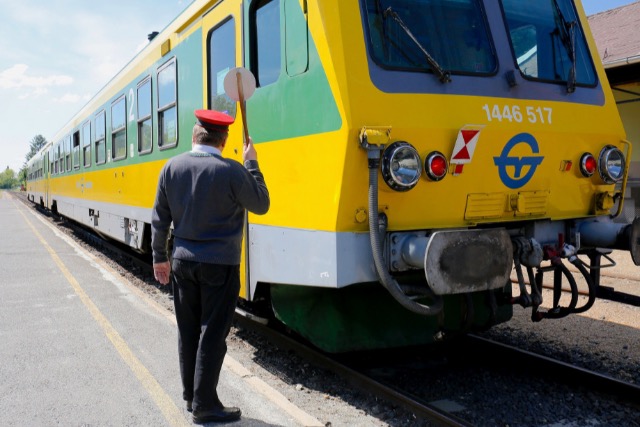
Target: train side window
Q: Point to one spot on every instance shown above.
(167, 105)
(265, 41)
(222, 58)
(100, 145)
(119, 129)
(296, 38)
(51, 160)
(67, 151)
(60, 157)
(76, 149)
(145, 138)
(86, 144)
(54, 158)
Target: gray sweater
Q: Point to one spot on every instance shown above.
(205, 196)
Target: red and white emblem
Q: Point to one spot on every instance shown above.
(465, 146)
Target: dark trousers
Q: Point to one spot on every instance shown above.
(205, 297)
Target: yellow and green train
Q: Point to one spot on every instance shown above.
(417, 152)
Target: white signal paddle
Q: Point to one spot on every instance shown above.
(239, 85)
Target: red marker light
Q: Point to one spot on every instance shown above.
(588, 165)
(436, 166)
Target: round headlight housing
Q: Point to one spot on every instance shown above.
(401, 166)
(611, 165)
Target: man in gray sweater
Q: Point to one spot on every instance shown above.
(205, 196)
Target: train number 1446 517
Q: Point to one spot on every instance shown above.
(514, 113)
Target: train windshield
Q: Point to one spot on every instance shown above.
(548, 42)
(439, 36)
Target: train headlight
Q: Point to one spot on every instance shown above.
(611, 165)
(401, 166)
(588, 165)
(435, 166)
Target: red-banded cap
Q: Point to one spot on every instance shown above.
(214, 120)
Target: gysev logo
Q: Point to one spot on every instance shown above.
(518, 163)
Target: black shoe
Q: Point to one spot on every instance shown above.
(189, 406)
(223, 414)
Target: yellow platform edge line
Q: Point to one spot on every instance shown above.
(166, 405)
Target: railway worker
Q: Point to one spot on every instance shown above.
(205, 196)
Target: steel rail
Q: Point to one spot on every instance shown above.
(583, 377)
(358, 379)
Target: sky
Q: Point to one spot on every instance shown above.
(55, 55)
(596, 6)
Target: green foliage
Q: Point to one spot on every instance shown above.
(8, 179)
(22, 176)
(36, 144)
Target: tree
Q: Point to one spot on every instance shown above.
(8, 179)
(37, 143)
(22, 176)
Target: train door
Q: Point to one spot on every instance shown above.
(222, 51)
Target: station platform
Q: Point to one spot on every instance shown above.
(81, 346)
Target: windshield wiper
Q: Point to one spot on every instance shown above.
(443, 75)
(567, 33)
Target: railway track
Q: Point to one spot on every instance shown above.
(566, 372)
(354, 376)
(378, 374)
(610, 293)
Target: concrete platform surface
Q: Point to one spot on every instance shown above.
(80, 346)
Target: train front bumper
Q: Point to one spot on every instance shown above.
(458, 261)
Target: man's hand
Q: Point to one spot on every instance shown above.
(249, 152)
(161, 272)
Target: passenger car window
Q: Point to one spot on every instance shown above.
(222, 51)
(167, 105)
(67, 151)
(56, 157)
(119, 129)
(86, 144)
(266, 50)
(145, 134)
(100, 126)
(76, 149)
